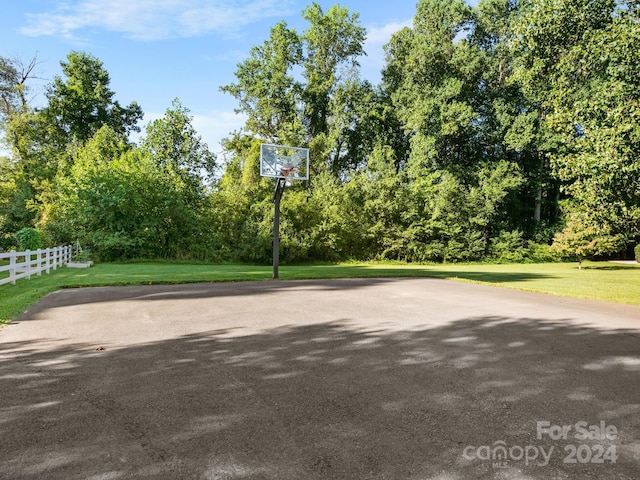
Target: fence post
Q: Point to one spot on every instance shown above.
(47, 265)
(27, 261)
(39, 261)
(12, 267)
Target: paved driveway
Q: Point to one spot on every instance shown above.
(343, 379)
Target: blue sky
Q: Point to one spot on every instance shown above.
(158, 50)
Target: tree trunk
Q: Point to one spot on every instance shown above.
(537, 213)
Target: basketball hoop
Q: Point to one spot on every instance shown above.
(279, 161)
(288, 170)
(284, 164)
(289, 173)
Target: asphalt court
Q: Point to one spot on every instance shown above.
(320, 379)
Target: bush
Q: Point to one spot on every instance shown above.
(582, 239)
(509, 247)
(541, 252)
(28, 239)
(637, 252)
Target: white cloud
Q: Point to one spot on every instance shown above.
(153, 19)
(382, 35)
(227, 14)
(377, 37)
(216, 125)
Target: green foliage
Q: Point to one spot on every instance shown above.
(487, 120)
(174, 143)
(81, 103)
(636, 251)
(43, 142)
(333, 235)
(122, 204)
(333, 40)
(509, 247)
(28, 239)
(322, 109)
(15, 193)
(432, 79)
(266, 89)
(581, 239)
(598, 94)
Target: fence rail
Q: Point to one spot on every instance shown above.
(32, 262)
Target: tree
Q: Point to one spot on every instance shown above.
(266, 89)
(356, 126)
(577, 63)
(121, 204)
(44, 141)
(543, 34)
(596, 102)
(81, 103)
(433, 78)
(14, 103)
(173, 142)
(509, 126)
(333, 42)
(581, 238)
(377, 205)
(283, 108)
(16, 193)
(23, 169)
(241, 204)
(482, 115)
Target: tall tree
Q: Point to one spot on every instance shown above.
(509, 125)
(595, 98)
(173, 141)
(81, 103)
(308, 109)
(25, 167)
(432, 78)
(42, 141)
(266, 89)
(14, 93)
(333, 41)
(543, 34)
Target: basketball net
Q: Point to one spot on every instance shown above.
(288, 172)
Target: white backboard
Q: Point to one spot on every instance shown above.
(279, 161)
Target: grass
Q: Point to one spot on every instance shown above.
(596, 281)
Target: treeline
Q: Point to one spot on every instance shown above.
(508, 131)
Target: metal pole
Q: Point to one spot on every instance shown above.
(277, 195)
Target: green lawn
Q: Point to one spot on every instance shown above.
(597, 281)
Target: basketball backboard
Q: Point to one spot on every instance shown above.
(279, 161)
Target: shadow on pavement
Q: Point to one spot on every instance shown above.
(323, 401)
(90, 295)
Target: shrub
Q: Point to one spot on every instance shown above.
(541, 252)
(509, 247)
(28, 239)
(582, 239)
(637, 252)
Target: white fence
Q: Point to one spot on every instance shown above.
(25, 264)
